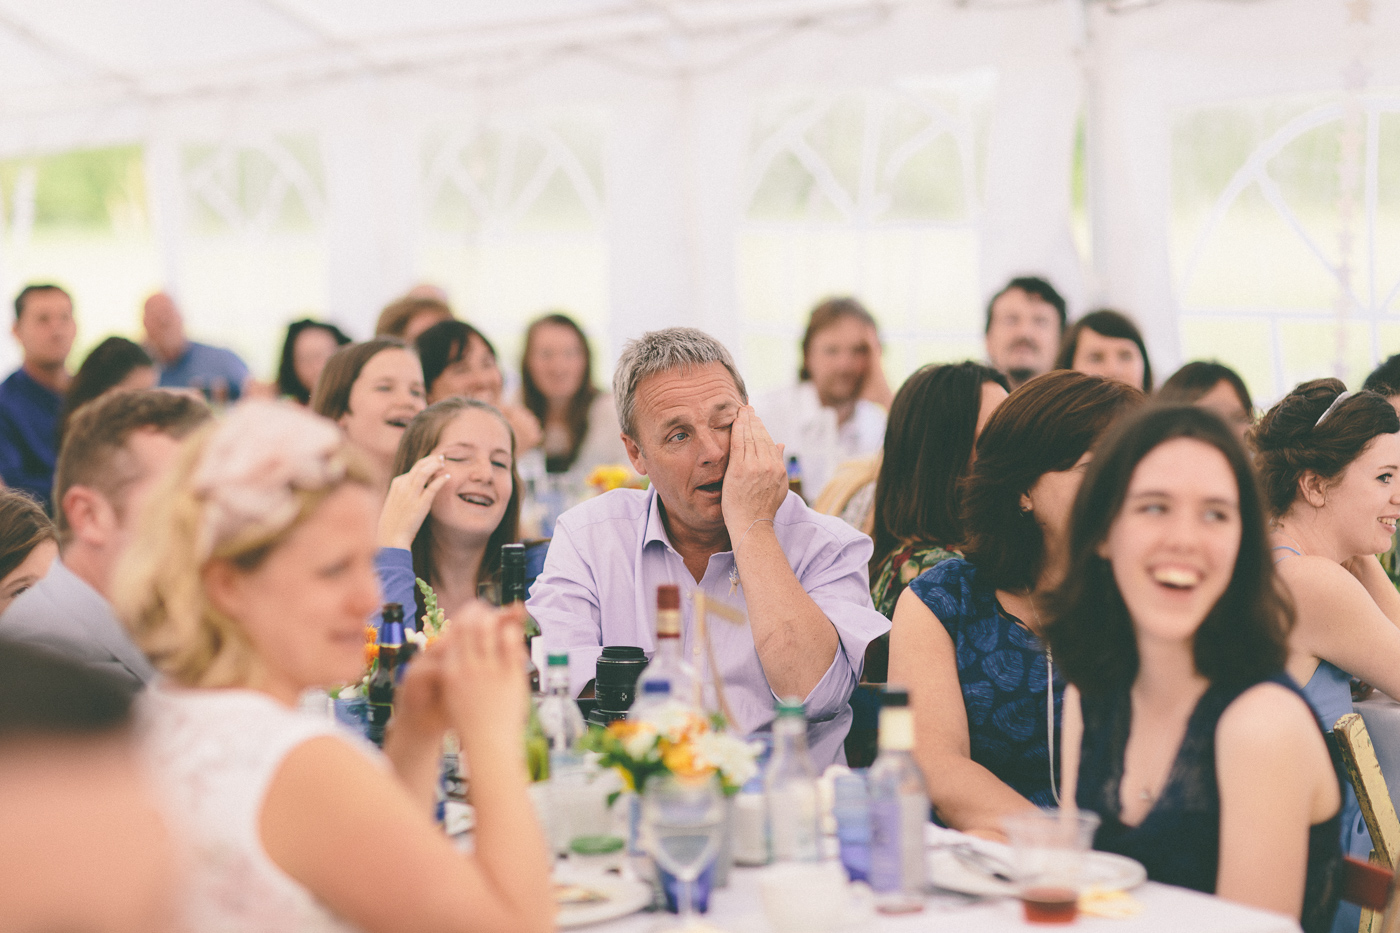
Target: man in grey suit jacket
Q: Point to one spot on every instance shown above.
(114, 454)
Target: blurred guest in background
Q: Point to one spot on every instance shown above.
(1213, 386)
(967, 636)
(1024, 323)
(579, 420)
(269, 517)
(185, 364)
(1385, 380)
(28, 545)
(459, 360)
(825, 419)
(1107, 343)
(31, 398)
(581, 432)
(1198, 753)
(454, 501)
(309, 344)
(114, 364)
(719, 513)
(372, 390)
(412, 314)
(84, 848)
(118, 449)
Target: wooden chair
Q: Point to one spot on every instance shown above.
(1351, 743)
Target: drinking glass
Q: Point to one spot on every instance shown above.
(1048, 847)
(684, 818)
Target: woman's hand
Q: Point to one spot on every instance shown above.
(528, 432)
(483, 678)
(410, 499)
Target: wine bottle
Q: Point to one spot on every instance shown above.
(513, 591)
(381, 682)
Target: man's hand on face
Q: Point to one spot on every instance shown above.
(755, 482)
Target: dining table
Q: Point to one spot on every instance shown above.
(738, 908)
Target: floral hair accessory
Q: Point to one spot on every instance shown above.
(257, 460)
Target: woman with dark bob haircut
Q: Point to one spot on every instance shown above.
(966, 634)
(1214, 386)
(1107, 343)
(934, 422)
(114, 364)
(1328, 461)
(309, 344)
(1182, 731)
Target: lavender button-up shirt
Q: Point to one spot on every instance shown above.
(609, 555)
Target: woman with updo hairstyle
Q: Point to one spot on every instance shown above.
(250, 582)
(1329, 464)
(966, 634)
(1181, 729)
(28, 544)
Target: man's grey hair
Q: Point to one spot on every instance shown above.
(661, 351)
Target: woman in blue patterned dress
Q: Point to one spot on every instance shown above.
(966, 634)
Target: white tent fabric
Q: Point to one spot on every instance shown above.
(672, 127)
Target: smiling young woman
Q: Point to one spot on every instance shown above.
(1328, 461)
(1181, 729)
(454, 500)
(372, 390)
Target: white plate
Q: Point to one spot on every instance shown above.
(623, 897)
(1104, 870)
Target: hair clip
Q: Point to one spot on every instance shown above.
(1333, 407)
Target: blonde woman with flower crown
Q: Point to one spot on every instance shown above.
(251, 583)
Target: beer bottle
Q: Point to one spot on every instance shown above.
(381, 682)
(513, 591)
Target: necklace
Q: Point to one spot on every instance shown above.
(1296, 546)
(1049, 696)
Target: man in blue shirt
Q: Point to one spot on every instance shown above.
(214, 371)
(32, 397)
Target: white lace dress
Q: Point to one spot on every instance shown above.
(212, 755)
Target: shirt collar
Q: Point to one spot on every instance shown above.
(656, 527)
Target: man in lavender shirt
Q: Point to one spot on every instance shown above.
(718, 516)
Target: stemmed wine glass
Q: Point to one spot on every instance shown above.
(685, 819)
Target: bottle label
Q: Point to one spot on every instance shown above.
(897, 843)
(792, 814)
(897, 729)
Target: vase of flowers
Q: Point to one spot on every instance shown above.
(675, 738)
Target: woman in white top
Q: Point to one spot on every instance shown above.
(251, 583)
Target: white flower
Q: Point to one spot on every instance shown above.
(672, 718)
(641, 742)
(418, 638)
(731, 755)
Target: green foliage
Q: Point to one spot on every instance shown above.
(85, 190)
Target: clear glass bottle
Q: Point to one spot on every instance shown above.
(899, 808)
(667, 663)
(560, 717)
(794, 827)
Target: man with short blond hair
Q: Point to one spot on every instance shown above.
(118, 447)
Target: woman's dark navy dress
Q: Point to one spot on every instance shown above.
(1178, 842)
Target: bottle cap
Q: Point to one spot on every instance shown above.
(596, 845)
(393, 612)
(656, 686)
(558, 660)
(513, 553)
(791, 707)
(894, 696)
(668, 596)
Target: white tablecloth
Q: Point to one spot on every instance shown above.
(737, 909)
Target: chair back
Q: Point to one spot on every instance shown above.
(1358, 755)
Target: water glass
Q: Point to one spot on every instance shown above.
(684, 821)
(1048, 848)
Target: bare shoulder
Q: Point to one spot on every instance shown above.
(1317, 576)
(1270, 719)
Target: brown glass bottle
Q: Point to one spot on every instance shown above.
(513, 591)
(381, 682)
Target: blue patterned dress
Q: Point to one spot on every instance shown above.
(1002, 670)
